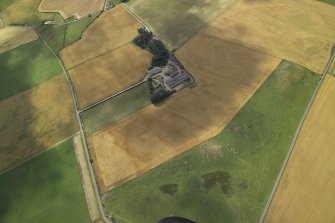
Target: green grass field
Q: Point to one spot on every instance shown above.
(175, 21)
(5, 3)
(332, 2)
(25, 67)
(45, 189)
(116, 108)
(229, 177)
(60, 36)
(25, 12)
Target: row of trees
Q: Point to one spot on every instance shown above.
(146, 40)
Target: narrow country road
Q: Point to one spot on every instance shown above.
(325, 72)
(76, 106)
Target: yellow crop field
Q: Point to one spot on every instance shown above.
(301, 31)
(12, 37)
(110, 73)
(157, 133)
(69, 8)
(111, 30)
(306, 192)
(34, 120)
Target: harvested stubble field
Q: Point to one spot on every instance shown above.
(25, 67)
(229, 177)
(306, 191)
(25, 12)
(46, 188)
(110, 73)
(158, 133)
(175, 21)
(12, 37)
(300, 31)
(67, 8)
(34, 120)
(111, 30)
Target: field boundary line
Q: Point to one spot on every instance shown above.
(112, 96)
(135, 16)
(109, 51)
(294, 140)
(87, 154)
(37, 154)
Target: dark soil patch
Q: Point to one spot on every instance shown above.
(218, 177)
(170, 189)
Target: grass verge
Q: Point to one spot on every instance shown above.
(25, 67)
(45, 189)
(116, 108)
(229, 177)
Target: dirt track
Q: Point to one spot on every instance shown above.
(86, 179)
(308, 180)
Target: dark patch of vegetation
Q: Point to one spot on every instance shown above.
(170, 189)
(146, 40)
(218, 177)
(244, 185)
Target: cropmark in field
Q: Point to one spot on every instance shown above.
(300, 31)
(227, 178)
(306, 191)
(78, 8)
(12, 37)
(175, 21)
(158, 133)
(33, 120)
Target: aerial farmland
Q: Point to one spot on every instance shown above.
(153, 111)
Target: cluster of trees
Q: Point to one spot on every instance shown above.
(146, 40)
(158, 94)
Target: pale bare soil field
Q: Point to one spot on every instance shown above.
(157, 133)
(110, 73)
(301, 31)
(85, 176)
(34, 120)
(12, 37)
(111, 30)
(306, 192)
(69, 8)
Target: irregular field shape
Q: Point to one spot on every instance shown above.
(257, 138)
(69, 8)
(25, 12)
(46, 188)
(306, 191)
(156, 134)
(25, 67)
(110, 73)
(175, 21)
(112, 29)
(12, 37)
(35, 120)
(300, 31)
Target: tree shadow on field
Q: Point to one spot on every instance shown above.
(22, 187)
(226, 74)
